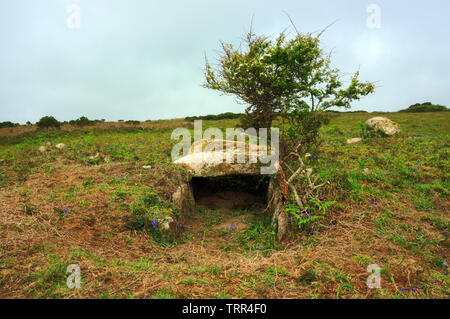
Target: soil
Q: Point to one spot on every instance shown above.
(230, 200)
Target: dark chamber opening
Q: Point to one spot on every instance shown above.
(235, 192)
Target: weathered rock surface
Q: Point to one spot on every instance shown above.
(384, 124)
(208, 158)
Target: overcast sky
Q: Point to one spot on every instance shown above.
(143, 59)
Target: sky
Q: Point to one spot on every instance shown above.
(144, 59)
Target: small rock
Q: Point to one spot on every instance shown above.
(48, 143)
(146, 166)
(93, 157)
(307, 155)
(60, 146)
(42, 149)
(354, 140)
(166, 224)
(366, 170)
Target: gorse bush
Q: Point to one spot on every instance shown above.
(48, 121)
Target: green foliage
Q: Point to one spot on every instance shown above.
(83, 121)
(425, 107)
(8, 124)
(315, 211)
(48, 121)
(281, 75)
(134, 122)
(147, 212)
(221, 116)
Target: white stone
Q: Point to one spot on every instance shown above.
(384, 124)
(42, 149)
(207, 159)
(354, 140)
(60, 146)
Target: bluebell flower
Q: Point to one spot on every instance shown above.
(154, 223)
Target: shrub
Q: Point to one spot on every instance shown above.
(132, 122)
(8, 124)
(221, 116)
(48, 121)
(425, 107)
(83, 121)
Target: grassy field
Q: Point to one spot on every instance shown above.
(69, 206)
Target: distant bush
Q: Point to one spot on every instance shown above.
(221, 116)
(425, 107)
(8, 124)
(83, 121)
(132, 122)
(48, 121)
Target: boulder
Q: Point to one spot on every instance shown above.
(383, 124)
(207, 158)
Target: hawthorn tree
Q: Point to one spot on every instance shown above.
(292, 78)
(290, 81)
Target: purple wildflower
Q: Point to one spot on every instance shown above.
(154, 223)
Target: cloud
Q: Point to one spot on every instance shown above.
(144, 59)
